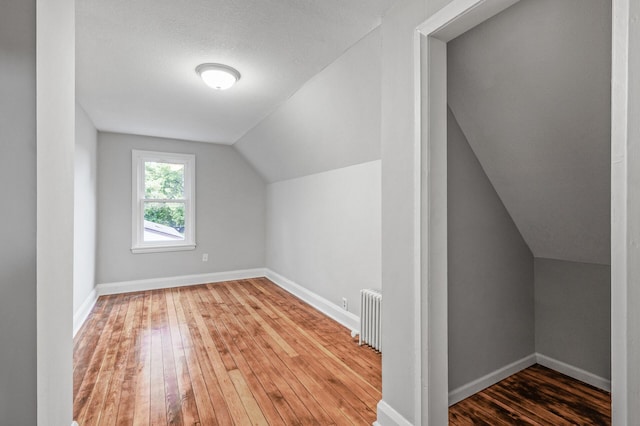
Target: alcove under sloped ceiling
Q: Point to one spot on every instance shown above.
(531, 91)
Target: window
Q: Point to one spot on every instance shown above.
(163, 201)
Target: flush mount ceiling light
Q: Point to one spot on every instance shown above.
(218, 76)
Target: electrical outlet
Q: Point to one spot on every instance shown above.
(205, 257)
(345, 304)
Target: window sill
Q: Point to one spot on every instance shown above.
(158, 249)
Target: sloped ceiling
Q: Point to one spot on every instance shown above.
(530, 89)
(333, 121)
(136, 59)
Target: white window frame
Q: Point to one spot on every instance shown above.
(138, 159)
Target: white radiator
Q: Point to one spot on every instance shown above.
(370, 318)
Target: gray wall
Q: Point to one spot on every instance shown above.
(490, 291)
(573, 314)
(320, 150)
(531, 89)
(323, 231)
(333, 121)
(230, 212)
(85, 209)
(18, 174)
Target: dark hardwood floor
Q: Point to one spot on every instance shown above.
(241, 352)
(535, 396)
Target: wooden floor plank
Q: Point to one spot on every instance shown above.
(237, 348)
(85, 343)
(128, 387)
(142, 394)
(217, 400)
(535, 396)
(358, 386)
(246, 396)
(267, 360)
(96, 402)
(157, 408)
(204, 403)
(364, 363)
(89, 362)
(185, 388)
(260, 364)
(112, 399)
(273, 334)
(231, 396)
(173, 400)
(299, 372)
(240, 352)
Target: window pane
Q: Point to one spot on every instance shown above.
(163, 180)
(163, 221)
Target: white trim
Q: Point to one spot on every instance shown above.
(158, 249)
(446, 16)
(387, 416)
(434, 260)
(177, 281)
(490, 379)
(417, 249)
(575, 372)
(625, 208)
(138, 159)
(430, 65)
(460, 16)
(330, 309)
(80, 316)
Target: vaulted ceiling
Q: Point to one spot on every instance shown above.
(136, 59)
(530, 89)
(333, 121)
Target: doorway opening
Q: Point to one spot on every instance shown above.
(438, 107)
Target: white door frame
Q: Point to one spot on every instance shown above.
(430, 67)
(55, 145)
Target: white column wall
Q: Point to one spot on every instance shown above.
(55, 53)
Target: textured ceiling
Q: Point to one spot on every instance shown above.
(136, 59)
(530, 89)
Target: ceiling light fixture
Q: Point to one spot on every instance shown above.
(218, 76)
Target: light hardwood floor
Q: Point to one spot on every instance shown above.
(240, 352)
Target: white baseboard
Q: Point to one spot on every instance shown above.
(484, 382)
(80, 316)
(330, 309)
(387, 416)
(492, 378)
(178, 281)
(575, 372)
(348, 319)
